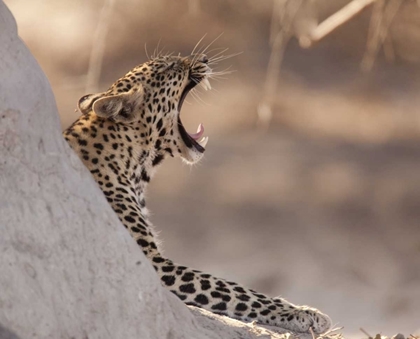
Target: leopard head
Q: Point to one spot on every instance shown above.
(149, 98)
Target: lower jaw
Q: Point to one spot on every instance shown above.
(191, 156)
(188, 141)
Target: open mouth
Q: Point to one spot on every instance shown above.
(195, 140)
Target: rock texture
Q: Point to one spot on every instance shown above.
(68, 269)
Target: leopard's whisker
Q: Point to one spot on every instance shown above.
(168, 55)
(145, 50)
(196, 45)
(223, 71)
(194, 79)
(217, 54)
(220, 49)
(217, 79)
(196, 95)
(196, 55)
(223, 57)
(211, 43)
(219, 74)
(203, 50)
(155, 54)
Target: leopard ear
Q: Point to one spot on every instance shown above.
(120, 107)
(108, 107)
(86, 102)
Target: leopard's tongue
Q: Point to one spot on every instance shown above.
(199, 136)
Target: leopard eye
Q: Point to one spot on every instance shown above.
(164, 67)
(169, 65)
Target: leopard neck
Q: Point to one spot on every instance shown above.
(116, 154)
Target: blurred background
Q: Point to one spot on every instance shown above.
(310, 187)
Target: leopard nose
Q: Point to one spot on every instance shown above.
(202, 58)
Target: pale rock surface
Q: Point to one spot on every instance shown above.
(68, 268)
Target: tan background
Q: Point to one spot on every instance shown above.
(324, 206)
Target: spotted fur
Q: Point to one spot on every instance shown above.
(122, 137)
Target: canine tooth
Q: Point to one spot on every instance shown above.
(203, 142)
(206, 84)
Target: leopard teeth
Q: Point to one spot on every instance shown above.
(203, 142)
(205, 83)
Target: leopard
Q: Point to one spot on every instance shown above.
(122, 136)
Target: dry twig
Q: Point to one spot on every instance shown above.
(312, 333)
(284, 13)
(98, 47)
(382, 18)
(334, 21)
(365, 332)
(374, 35)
